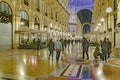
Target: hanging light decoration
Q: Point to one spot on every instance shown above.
(109, 10)
(102, 19)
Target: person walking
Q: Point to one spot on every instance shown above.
(63, 44)
(104, 48)
(38, 44)
(109, 47)
(58, 48)
(68, 42)
(51, 48)
(85, 45)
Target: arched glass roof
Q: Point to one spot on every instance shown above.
(77, 5)
(83, 9)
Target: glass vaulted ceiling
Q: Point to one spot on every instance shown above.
(83, 9)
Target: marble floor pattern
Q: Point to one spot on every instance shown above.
(25, 64)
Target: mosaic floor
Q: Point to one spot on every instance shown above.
(33, 65)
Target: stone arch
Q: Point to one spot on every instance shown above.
(6, 25)
(85, 16)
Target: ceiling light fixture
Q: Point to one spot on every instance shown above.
(102, 19)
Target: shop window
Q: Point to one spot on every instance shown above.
(24, 19)
(26, 2)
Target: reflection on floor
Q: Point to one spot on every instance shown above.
(33, 65)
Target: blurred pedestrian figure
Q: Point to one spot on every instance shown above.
(38, 44)
(96, 53)
(85, 45)
(58, 48)
(68, 43)
(65, 42)
(109, 47)
(72, 42)
(104, 47)
(51, 48)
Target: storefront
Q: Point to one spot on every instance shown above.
(24, 31)
(6, 38)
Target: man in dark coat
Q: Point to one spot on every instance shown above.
(109, 47)
(85, 45)
(104, 48)
(38, 44)
(51, 48)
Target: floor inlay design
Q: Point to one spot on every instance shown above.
(71, 71)
(78, 61)
(82, 72)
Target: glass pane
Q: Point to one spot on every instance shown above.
(5, 8)
(24, 15)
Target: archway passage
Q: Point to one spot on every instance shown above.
(86, 28)
(85, 16)
(5, 26)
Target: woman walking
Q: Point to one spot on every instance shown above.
(58, 48)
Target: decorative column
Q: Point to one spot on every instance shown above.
(16, 25)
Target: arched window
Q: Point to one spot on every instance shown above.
(24, 15)
(5, 8)
(5, 13)
(37, 23)
(24, 18)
